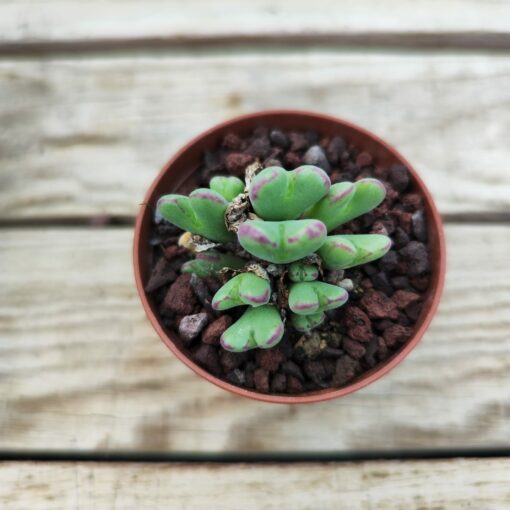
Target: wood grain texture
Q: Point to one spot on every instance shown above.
(86, 137)
(411, 485)
(26, 20)
(81, 369)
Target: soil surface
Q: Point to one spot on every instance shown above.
(386, 297)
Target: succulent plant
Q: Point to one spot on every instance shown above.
(267, 240)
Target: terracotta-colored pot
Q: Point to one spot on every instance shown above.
(189, 158)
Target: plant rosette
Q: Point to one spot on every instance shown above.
(289, 256)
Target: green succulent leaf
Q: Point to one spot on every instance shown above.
(299, 272)
(209, 263)
(344, 251)
(227, 187)
(307, 298)
(201, 213)
(346, 201)
(258, 327)
(281, 242)
(306, 323)
(280, 195)
(243, 289)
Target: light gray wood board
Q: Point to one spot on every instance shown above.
(81, 368)
(483, 484)
(26, 20)
(86, 137)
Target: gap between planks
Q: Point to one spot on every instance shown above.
(401, 41)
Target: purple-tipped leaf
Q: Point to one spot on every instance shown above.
(260, 327)
(243, 289)
(344, 251)
(227, 187)
(211, 262)
(281, 242)
(346, 201)
(280, 195)
(202, 213)
(307, 298)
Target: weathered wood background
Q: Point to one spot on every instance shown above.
(94, 97)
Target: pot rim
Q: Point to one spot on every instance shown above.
(318, 395)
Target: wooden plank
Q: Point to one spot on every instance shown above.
(81, 369)
(87, 137)
(483, 484)
(22, 20)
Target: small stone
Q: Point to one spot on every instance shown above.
(411, 201)
(298, 141)
(382, 283)
(294, 385)
(231, 360)
(358, 324)
(371, 352)
(415, 253)
(369, 269)
(191, 326)
(400, 282)
(382, 349)
(201, 290)
(383, 325)
(379, 306)
(312, 136)
(396, 334)
(259, 148)
(401, 238)
(311, 345)
(335, 149)
(278, 383)
(180, 298)
(207, 357)
(335, 340)
(162, 273)
(421, 282)
(399, 177)
(290, 368)
(413, 311)
(272, 162)
(366, 283)
(212, 161)
(389, 262)
(279, 138)
(231, 141)
(419, 226)
(269, 359)
(314, 370)
(292, 160)
(236, 162)
(403, 298)
(236, 377)
(346, 284)
(404, 219)
(172, 253)
(346, 368)
(213, 284)
(315, 156)
(364, 159)
(212, 333)
(261, 380)
(353, 348)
